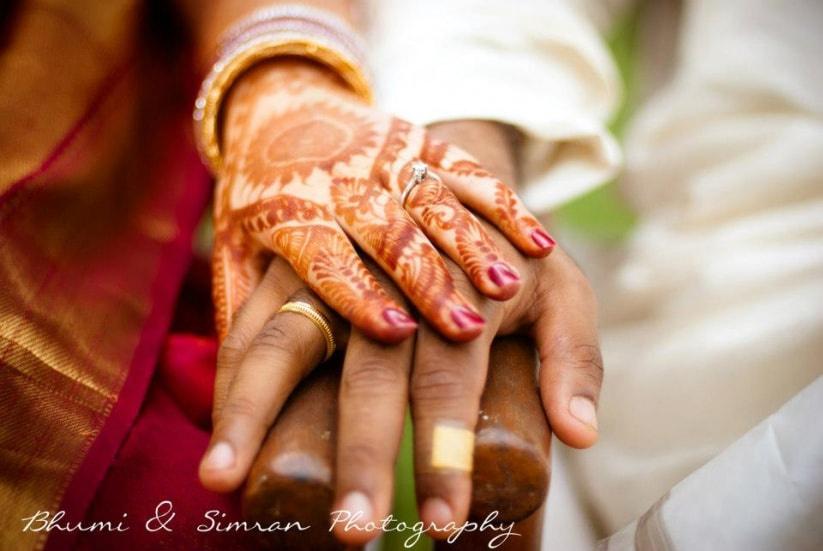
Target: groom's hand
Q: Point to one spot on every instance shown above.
(555, 306)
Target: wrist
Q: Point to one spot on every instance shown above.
(296, 73)
(269, 77)
(285, 31)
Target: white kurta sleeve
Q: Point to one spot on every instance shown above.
(765, 491)
(539, 66)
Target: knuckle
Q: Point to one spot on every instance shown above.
(438, 384)
(359, 456)
(274, 338)
(587, 360)
(371, 376)
(576, 364)
(231, 351)
(240, 408)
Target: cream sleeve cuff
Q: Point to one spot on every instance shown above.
(539, 66)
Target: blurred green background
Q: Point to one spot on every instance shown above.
(600, 215)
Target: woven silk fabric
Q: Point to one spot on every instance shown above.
(100, 190)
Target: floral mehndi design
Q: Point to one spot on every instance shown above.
(291, 145)
(309, 170)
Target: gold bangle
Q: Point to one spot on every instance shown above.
(226, 71)
(318, 319)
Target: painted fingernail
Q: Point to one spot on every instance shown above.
(465, 318)
(502, 274)
(436, 511)
(583, 410)
(543, 239)
(398, 318)
(358, 507)
(220, 457)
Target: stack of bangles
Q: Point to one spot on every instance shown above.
(286, 30)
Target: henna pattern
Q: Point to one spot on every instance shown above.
(330, 265)
(461, 235)
(384, 230)
(396, 142)
(478, 188)
(308, 167)
(233, 265)
(234, 278)
(289, 146)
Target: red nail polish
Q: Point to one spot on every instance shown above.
(397, 318)
(465, 318)
(543, 239)
(502, 274)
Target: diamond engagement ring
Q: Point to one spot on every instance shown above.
(419, 172)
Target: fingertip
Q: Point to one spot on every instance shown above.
(501, 295)
(436, 514)
(361, 526)
(575, 423)
(390, 326)
(353, 536)
(218, 482)
(584, 411)
(469, 324)
(578, 438)
(218, 468)
(503, 281)
(543, 243)
(399, 319)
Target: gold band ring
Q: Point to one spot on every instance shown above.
(318, 319)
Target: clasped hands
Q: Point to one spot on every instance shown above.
(310, 174)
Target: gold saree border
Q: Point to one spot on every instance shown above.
(95, 227)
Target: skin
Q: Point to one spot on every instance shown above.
(444, 379)
(310, 170)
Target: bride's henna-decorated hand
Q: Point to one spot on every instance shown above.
(308, 166)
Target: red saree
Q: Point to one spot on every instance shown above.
(100, 193)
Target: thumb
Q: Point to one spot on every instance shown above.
(571, 365)
(236, 271)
